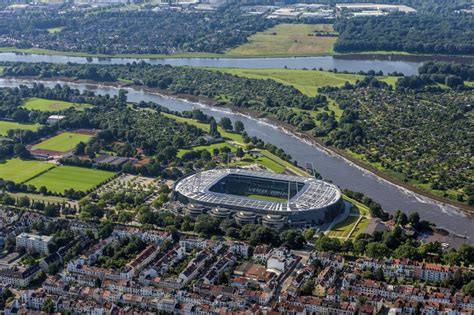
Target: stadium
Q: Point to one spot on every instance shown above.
(272, 199)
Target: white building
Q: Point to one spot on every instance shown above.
(32, 242)
(54, 119)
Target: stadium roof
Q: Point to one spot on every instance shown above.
(315, 194)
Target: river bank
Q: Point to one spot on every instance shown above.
(275, 122)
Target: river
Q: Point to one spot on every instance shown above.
(331, 167)
(386, 64)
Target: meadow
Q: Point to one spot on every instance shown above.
(7, 125)
(63, 142)
(287, 40)
(62, 177)
(45, 105)
(20, 171)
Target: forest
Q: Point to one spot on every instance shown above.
(428, 34)
(402, 131)
(129, 32)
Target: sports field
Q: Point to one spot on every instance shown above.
(7, 125)
(260, 197)
(288, 40)
(19, 171)
(44, 105)
(63, 142)
(62, 177)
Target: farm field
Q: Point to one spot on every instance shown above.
(70, 177)
(45, 105)
(19, 171)
(63, 142)
(7, 125)
(287, 40)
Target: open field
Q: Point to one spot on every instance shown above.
(62, 177)
(260, 197)
(7, 125)
(287, 40)
(19, 171)
(63, 142)
(209, 148)
(45, 105)
(360, 228)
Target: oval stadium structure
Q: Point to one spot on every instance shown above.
(297, 200)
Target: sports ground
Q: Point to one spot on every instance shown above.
(19, 171)
(62, 177)
(45, 105)
(63, 142)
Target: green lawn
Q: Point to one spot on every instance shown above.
(342, 229)
(287, 40)
(45, 105)
(63, 142)
(209, 148)
(19, 171)
(260, 197)
(7, 125)
(66, 177)
(360, 228)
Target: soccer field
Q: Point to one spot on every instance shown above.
(63, 142)
(45, 105)
(66, 177)
(7, 125)
(19, 171)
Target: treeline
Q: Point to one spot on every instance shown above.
(132, 32)
(429, 34)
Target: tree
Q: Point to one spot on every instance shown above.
(23, 202)
(414, 219)
(307, 287)
(225, 123)
(402, 219)
(239, 152)
(292, 239)
(206, 225)
(308, 234)
(469, 288)
(239, 126)
(48, 306)
(327, 244)
(52, 210)
(377, 250)
(213, 128)
(105, 229)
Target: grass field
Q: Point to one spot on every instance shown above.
(45, 105)
(19, 171)
(287, 40)
(209, 148)
(260, 197)
(61, 178)
(360, 228)
(7, 125)
(342, 229)
(63, 142)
